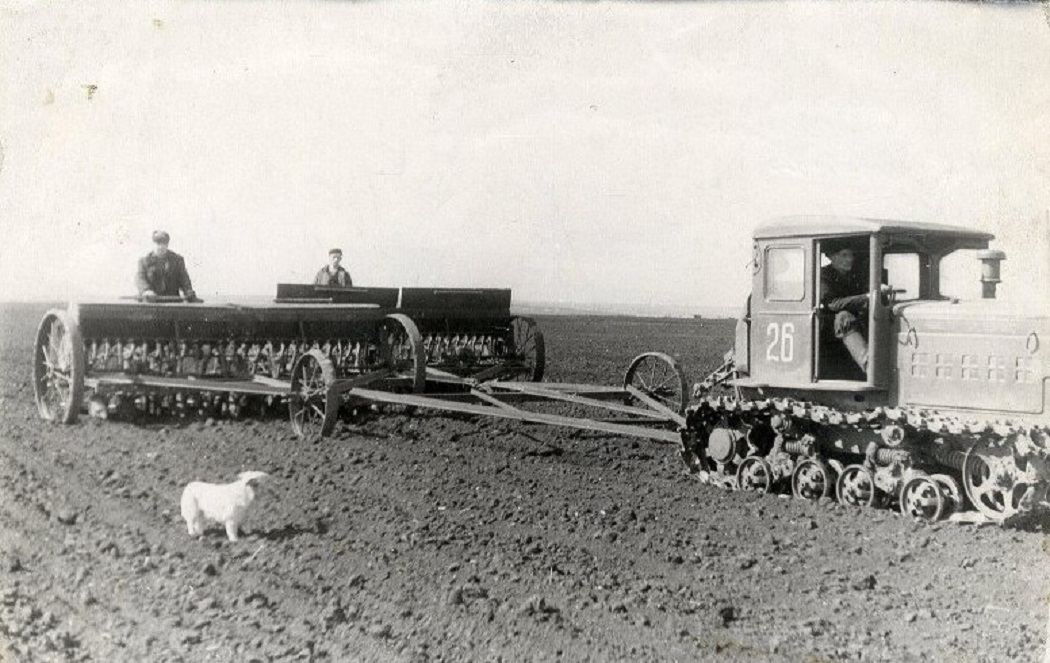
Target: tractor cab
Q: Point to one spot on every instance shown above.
(821, 311)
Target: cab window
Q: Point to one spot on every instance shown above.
(901, 271)
(785, 279)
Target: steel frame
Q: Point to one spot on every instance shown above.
(450, 393)
(498, 399)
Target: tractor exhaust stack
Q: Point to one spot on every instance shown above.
(990, 259)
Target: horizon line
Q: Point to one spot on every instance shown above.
(528, 306)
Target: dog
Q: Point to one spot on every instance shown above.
(98, 409)
(227, 503)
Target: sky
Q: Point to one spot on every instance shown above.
(611, 154)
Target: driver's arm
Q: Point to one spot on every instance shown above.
(850, 303)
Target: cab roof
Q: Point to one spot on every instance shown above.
(823, 226)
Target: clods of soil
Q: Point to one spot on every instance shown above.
(426, 537)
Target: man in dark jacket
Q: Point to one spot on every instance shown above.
(333, 274)
(845, 293)
(162, 273)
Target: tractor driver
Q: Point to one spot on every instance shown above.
(845, 293)
(162, 273)
(333, 274)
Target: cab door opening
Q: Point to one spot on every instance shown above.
(843, 303)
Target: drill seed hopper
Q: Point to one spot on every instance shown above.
(180, 358)
(464, 332)
(173, 357)
(318, 348)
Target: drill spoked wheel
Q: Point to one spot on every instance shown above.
(659, 377)
(58, 368)
(312, 412)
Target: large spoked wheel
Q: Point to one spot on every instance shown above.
(659, 377)
(754, 474)
(401, 349)
(856, 486)
(527, 353)
(921, 498)
(812, 480)
(990, 479)
(58, 367)
(313, 416)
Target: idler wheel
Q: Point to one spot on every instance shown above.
(724, 444)
(856, 486)
(922, 498)
(659, 377)
(313, 413)
(991, 479)
(755, 474)
(812, 479)
(58, 367)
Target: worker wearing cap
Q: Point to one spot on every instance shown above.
(845, 293)
(333, 274)
(162, 273)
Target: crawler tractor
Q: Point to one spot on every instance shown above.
(949, 412)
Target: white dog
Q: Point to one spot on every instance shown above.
(225, 503)
(98, 409)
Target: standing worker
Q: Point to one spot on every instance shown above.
(162, 273)
(333, 274)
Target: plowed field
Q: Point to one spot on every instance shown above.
(426, 537)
